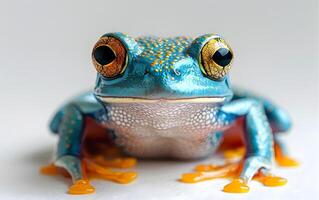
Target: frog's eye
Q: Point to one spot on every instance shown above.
(109, 57)
(215, 59)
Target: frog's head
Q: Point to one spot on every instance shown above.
(149, 69)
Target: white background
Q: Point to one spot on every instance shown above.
(45, 51)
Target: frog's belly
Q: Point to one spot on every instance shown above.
(183, 130)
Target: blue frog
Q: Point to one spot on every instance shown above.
(166, 97)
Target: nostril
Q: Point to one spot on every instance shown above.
(146, 72)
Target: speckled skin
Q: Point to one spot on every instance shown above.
(178, 111)
(184, 131)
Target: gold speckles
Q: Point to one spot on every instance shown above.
(153, 63)
(163, 53)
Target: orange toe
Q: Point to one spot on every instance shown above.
(286, 161)
(192, 177)
(49, 170)
(126, 177)
(205, 168)
(273, 181)
(81, 187)
(124, 162)
(236, 186)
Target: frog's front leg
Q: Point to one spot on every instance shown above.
(259, 144)
(69, 124)
(71, 133)
(259, 154)
(279, 120)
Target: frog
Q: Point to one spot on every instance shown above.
(167, 97)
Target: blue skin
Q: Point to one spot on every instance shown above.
(183, 80)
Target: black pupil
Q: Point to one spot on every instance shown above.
(104, 55)
(222, 57)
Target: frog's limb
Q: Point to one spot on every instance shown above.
(281, 155)
(259, 149)
(75, 167)
(70, 124)
(258, 137)
(278, 118)
(280, 122)
(71, 134)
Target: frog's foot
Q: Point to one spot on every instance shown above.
(239, 185)
(258, 168)
(52, 170)
(270, 180)
(124, 163)
(282, 159)
(236, 186)
(81, 187)
(209, 172)
(81, 170)
(232, 170)
(98, 171)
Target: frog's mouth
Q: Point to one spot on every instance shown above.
(145, 100)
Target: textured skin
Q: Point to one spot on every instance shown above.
(163, 53)
(163, 68)
(181, 130)
(160, 71)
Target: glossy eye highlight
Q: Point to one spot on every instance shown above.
(216, 57)
(109, 57)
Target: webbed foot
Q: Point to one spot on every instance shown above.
(281, 158)
(87, 168)
(233, 171)
(98, 171)
(124, 163)
(53, 170)
(270, 180)
(209, 172)
(81, 187)
(50, 169)
(236, 186)
(239, 185)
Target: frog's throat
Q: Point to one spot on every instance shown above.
(145, 100)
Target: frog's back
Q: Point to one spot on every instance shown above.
(163, 53)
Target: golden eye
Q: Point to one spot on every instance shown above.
(109, 57)
(215, 59)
